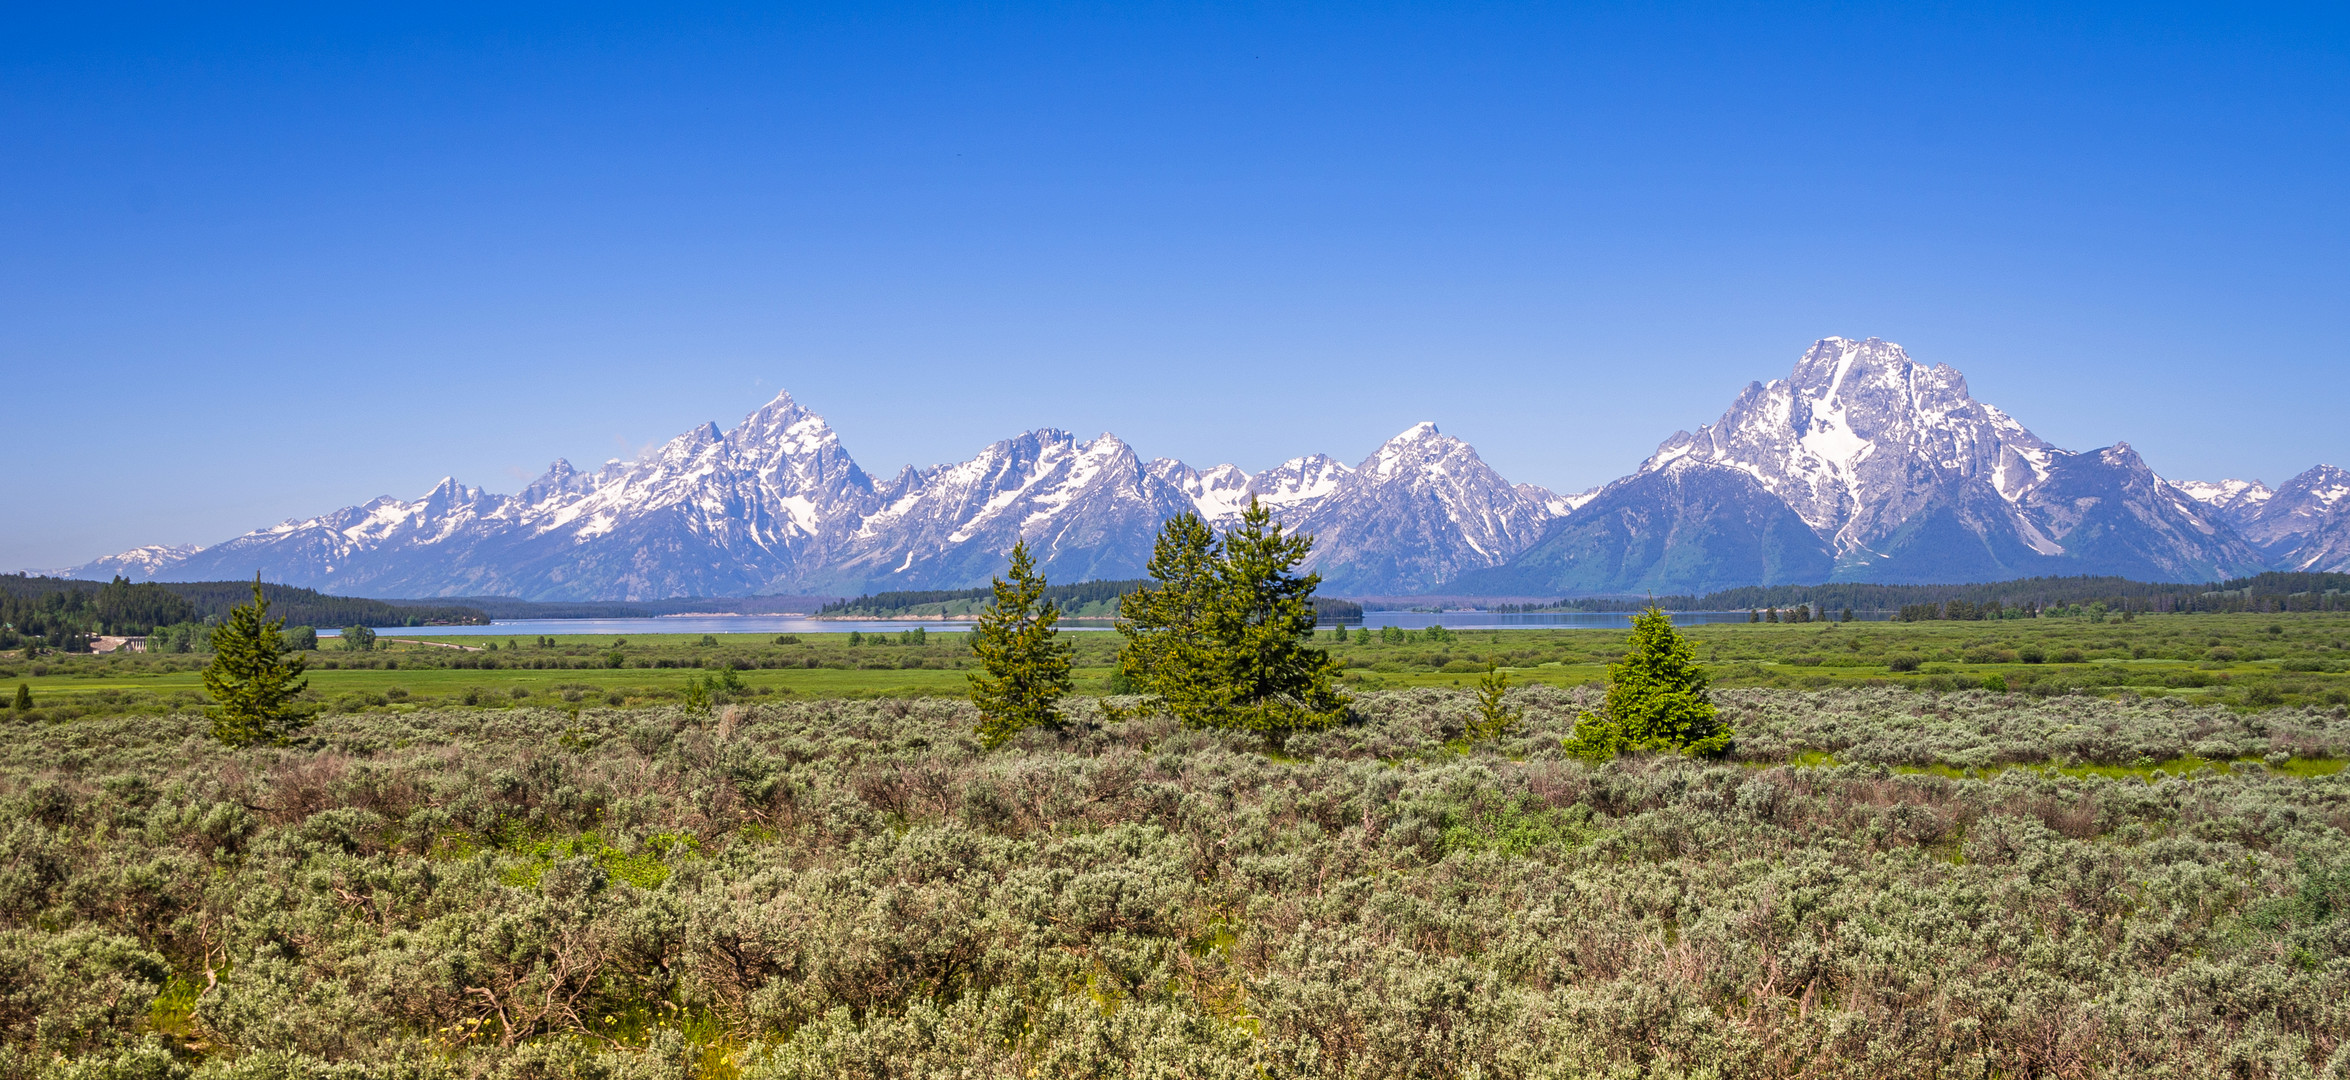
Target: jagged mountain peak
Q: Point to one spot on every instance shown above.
(786, 425)
(2302, 525)
(1218, 493)
(1857, 435)
(1411, 453)
(2325, 483)
(559, 481)
(1419, 512)
(1299, 482)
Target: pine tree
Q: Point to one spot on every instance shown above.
(1025, 665)
(253, 681)
(1170, 652)
(1224, 641)
(1495, 717)
(24, 697)
(1656, 699)
(1277, 682)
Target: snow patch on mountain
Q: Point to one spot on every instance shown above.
(2227, 495)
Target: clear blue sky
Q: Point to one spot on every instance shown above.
(266, 264)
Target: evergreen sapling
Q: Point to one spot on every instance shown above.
(1656, 699)
(1024, 666)
(1495, 716)
(253, 679)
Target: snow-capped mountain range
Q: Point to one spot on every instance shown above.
(1862, 464)
(2302, 525)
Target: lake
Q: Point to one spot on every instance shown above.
(802, 624)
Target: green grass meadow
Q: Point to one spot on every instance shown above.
(2246, 661)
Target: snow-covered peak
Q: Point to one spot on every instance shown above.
(2227, 494)
(783, 426)
(1417, 450)
(1858, 436)
(138, 564)
(2325, 485)
(1299, 481)
(1219, 492)
(560, 482)
(2306, 520)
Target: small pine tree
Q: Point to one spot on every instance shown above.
(1025, 667)
(1495, 717)
(24, 697)
(252, 680)
(1656, 699)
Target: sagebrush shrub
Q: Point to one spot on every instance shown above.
(852, 888)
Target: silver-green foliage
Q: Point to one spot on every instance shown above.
(856, 889)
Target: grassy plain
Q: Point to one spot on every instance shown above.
(2246, 661)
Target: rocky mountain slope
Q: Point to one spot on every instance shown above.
(1862, 464)
(2303, 524)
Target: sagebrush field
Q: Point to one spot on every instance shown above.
(1880, 882)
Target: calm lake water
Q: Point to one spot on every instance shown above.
(801, 624)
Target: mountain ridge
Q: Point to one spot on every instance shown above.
(1861, 465)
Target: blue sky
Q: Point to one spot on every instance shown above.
(268, 263)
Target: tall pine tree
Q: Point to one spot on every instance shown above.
(1170, 652)
(252, 679)
(1264, 618)
(1024, 666)
(1656, 699)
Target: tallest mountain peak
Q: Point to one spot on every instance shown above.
(1832, 362)
(779, 405)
